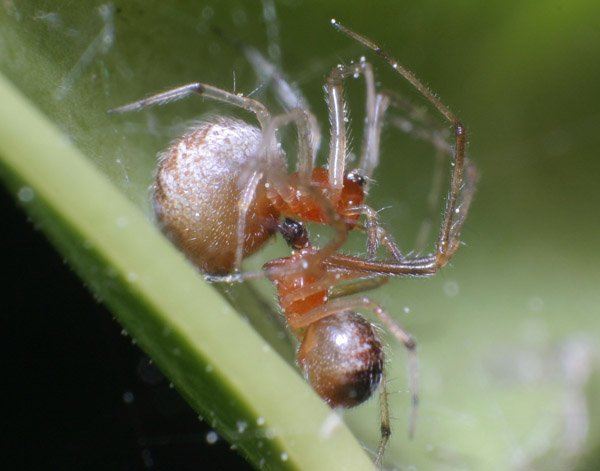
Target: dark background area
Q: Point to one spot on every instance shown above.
(78, 394)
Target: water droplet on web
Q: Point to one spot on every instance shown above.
(25, 194)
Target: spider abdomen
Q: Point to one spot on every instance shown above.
(342, 358)
(197, 193)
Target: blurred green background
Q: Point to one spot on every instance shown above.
(509, 334)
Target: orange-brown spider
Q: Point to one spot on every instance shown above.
(340, 353)
(222, 189)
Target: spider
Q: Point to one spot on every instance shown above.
(340, 352)
(223, 189)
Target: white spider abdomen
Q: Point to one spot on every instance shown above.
(197, 193)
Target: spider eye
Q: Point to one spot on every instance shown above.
(357, 178)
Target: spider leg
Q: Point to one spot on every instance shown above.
(416, 122)
(337, 117)
(376, 234)
(433, 199)
(307, 146)
(375, 108)
(384, 420)
(291, 98)
(358, 286)
(288, 94)
(419, 125)
(420, 266)
(247, 198)
(261, 112)
(461, 188)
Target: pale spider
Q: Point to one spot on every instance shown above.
(222, 189)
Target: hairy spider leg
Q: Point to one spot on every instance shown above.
(462, 185)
